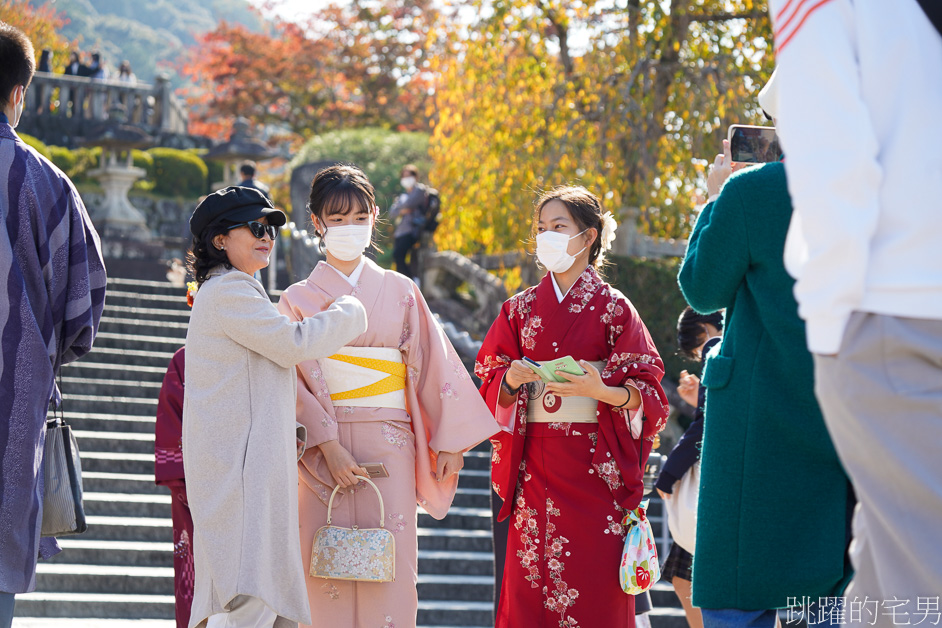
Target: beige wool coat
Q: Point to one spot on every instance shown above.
(239, 448)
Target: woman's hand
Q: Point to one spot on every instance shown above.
(664, 496)
(449, 464)
(343, 466)
(519, 374)
(689, 388)
(591, 385)
(588, 385)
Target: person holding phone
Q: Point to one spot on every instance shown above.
(396, 400)
(566, 459)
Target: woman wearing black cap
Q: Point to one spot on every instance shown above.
(239, 451)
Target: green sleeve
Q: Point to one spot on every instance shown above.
(717, 254)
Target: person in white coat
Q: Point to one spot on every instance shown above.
(239, 431)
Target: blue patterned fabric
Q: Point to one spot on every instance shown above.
(52, 291)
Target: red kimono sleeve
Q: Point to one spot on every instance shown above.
(633, 361)
(500, 348)
(168, 452)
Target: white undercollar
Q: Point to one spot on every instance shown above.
(354, 277)
(559, 293)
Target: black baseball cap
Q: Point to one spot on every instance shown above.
(234, 204)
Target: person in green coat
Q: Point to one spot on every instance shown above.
(774, 508)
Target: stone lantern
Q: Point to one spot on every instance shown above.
(240, 147)
(116, 217)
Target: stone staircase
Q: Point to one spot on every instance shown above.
(122, 568)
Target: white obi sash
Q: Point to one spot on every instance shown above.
(549, 408)
(371, 377)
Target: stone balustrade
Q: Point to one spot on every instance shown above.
(61, 109)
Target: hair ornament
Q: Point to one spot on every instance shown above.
(608, 230)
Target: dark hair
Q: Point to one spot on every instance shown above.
(96, 57)
(17, 59)
(204, 256)
(410, 169)
(340, 189)
(247, 168)
(690, 329)
(584, 207)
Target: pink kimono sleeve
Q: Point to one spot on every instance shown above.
(447, 411)
(314, 409)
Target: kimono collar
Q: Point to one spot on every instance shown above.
(584, 288)
(354, 277)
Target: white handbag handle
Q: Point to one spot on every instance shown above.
(382, 508)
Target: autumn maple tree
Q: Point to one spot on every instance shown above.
(42, 24)
(629, 99)
(351, 64)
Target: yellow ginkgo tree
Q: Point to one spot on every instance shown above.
(630, 99)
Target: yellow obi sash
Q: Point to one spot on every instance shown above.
(371, 377)
(549, 408)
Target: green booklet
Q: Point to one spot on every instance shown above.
(547, 370)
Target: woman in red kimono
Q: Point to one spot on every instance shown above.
(566, 461)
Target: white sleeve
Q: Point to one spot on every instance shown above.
(831, 152)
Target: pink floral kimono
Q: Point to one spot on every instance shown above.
(444, 412)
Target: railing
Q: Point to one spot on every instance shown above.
(60, 109)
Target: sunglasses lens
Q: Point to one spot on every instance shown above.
(259, 230)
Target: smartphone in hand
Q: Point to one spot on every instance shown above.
(754, 144)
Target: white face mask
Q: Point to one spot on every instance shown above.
(407, 182)
(552, 249)
(347, 242)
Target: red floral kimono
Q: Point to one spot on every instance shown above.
(567, 485)
(168, 471)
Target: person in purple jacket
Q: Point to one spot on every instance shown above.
(52, 291)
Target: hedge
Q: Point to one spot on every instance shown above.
(651, 285)
(177, 173)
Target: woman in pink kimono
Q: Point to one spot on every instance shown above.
(397, 395)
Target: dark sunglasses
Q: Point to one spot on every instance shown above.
(258, 229)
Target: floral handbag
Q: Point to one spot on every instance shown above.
(367, 555)
(639, 569)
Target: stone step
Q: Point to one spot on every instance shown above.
(127, 505)
(143, 286)
(147, 529)
(455, 540)
(110, 387)
(451, 587)
(98, 605)
(128, 442)
(117, 462)
(454, 613)
(143, 327)
(472, 498)
(104, 370)
(135, 483)
(132, 357)
(76, 578)
(99, 422)
(138, 342)
(129, 298)
(147, 313)
(90, 404)
(460, 518)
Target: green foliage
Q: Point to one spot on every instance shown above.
(379, 152)
(651, 285)
(63, 158)
(40, 147)
(216, 168)
(142, 160)
(86, 158)
(177, 173)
